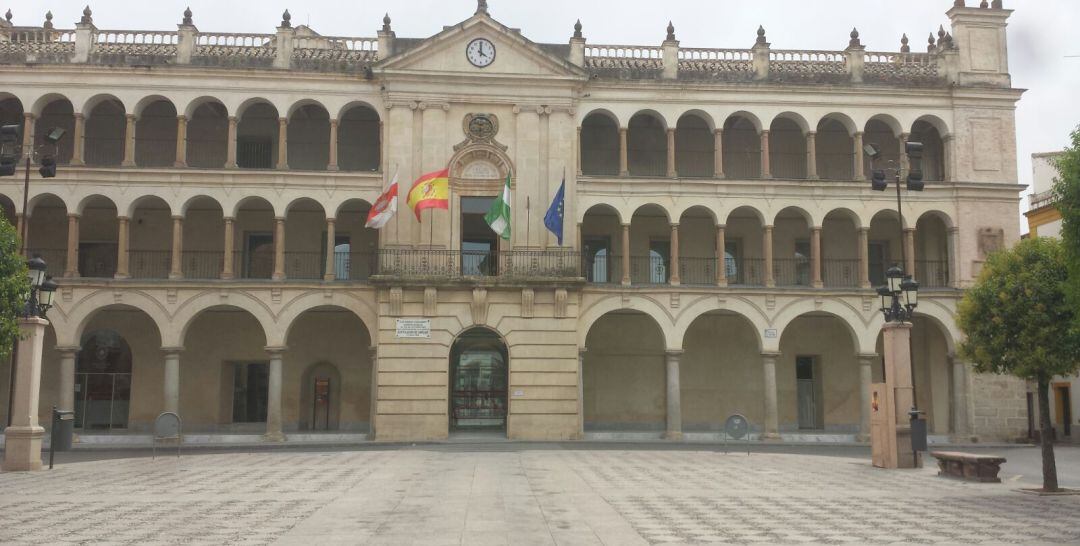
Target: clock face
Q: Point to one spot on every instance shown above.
(480, 52)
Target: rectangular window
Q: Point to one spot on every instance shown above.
(479, 244)
(599, 262)
(258, 255)
(879, 262)
(808, 384)
(342, 255)
(802, 262)
(659, 262)
(251, 387)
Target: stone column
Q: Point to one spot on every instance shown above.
(279, 249)
(28, 129)
(227, 264)
(864, 257)
(947, 143)
(129, 142)
(333, 165)
(283, 144)
(767, 252)
(171, 401)
(230, 153)
(718, 153)
(22, 440)
(721, 256)
(866, 379)
(959, 399)
(623, 164)
(772, 415)
(626, 254)
(71, 269)
(675, 280)
(78, 141)
(672, 170)
(577, 151)
(123, 261)
(860, 166)
(811, 155)
(331, 263)
(273, 400)
(897, 344)
(177, 270)
(909, 251)
(581, 392)
(905, 164)
(67, 377)
(815, 257)
(181, 142)
(952, 244)
(766, 170)
(674, 396)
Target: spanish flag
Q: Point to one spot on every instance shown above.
(430, 191)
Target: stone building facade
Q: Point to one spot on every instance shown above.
(721, 239)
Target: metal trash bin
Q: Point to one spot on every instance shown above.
(63, 430)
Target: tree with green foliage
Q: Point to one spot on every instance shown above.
(1067, 200)
(1016, 321)
(14, 287)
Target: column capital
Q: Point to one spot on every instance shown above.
(671, 130)
(718, 131)
(123, 218)
(76, 115)
(172, 350)
(953, 230)
(674, 225)
(283, 121)
(74, 215)
(279, 219)
(865, 229)
(131, 117)
(67, 350)
(181, 118)
(229, 218)
(582, 350)
(858, 134)
(765, 132)
(276, 350)
(233, 119)
(334, 122)
(867, 357)
(178, 217)
(623, 129)
(331, 220)
(905, 136)
(768, 227)
(770, 356)
(816, 228)
(673, 353)
(626, 225)
(909, 230)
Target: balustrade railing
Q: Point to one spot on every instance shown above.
(135, 42)
(304, 265)
(98, 260)
(649, 270)
(624, 57)
(520, 264)
(602, 268)
(235, 44)
(149, 264)
(697, 271)
(716, 60)
(932, 273)
(840, 273)
(791, 271)
(880, 65)
(202, 264)
(746, 272)
(155, 152)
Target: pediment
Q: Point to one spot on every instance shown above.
(515, 55)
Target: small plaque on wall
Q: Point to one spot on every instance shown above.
(414, 328)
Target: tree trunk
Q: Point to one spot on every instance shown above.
(1049, 467)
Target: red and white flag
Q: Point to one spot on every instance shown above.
(385, 206)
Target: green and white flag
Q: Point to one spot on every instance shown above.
(498, 217)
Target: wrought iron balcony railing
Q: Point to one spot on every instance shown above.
(511, 264)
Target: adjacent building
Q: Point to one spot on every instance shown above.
(720, 250)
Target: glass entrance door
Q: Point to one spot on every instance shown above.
(478, 382)
(102, 382)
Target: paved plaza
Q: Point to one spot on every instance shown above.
(512, 495)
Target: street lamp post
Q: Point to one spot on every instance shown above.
(22, 436)
(899, 298)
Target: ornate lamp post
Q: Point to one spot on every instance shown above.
(893, 448)
(22, 437)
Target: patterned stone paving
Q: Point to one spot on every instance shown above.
(524, 497)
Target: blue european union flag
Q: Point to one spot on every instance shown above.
(553, 220)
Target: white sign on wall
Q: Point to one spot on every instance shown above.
(770, 333)
(414, 328)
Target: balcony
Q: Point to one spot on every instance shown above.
(514, 265)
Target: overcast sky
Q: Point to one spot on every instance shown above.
(1039, 32)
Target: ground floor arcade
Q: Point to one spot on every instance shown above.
(525, 364)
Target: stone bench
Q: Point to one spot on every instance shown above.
(968, 466)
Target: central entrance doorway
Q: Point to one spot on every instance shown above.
(478, 382)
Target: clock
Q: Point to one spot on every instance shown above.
(480, 52)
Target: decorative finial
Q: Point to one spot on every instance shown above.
(904, 47)
(187, 17)
(959, 4)
(949, 41)
(761, 35)
(670, 32)
(930, 47)
(984, 4)
(286, 19)
(997, 4)
(386, 22)
(87, 18)
(8, 16)
(481, 7)
(941, 33)
(48, 24)
(854, 41)
(577, 29)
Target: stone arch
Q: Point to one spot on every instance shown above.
(308, 135)
(207, 133)
(189, 201)
(798, 119)
(297, 105)
(296, 307)
(931, 131)
(235, 208)
(357, 104)
(754, 210)
(646, 144)
(935, 121)
(129, 209)
(38, 198)
(484, 154)
(680, 212)
(194, 104)
(11, 110)
(96, 100)
(889, 121)
(155, 132)
(750, 117)
(857, 325)
(695, 145)
(648, 306)
(599, 143)
(45, 100)
(653, 204)
(598, 206)
(258, 135)
(105, 130)
(738, 306)
(82, 312)
(742, 145)
(835, 146)
(302, 201)
(605, 113)
(55, 110)
(190, 310)
(351, 201)
(811, 220)
(142, 103)
(841, 118)
(359, 137)
(81, 207)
